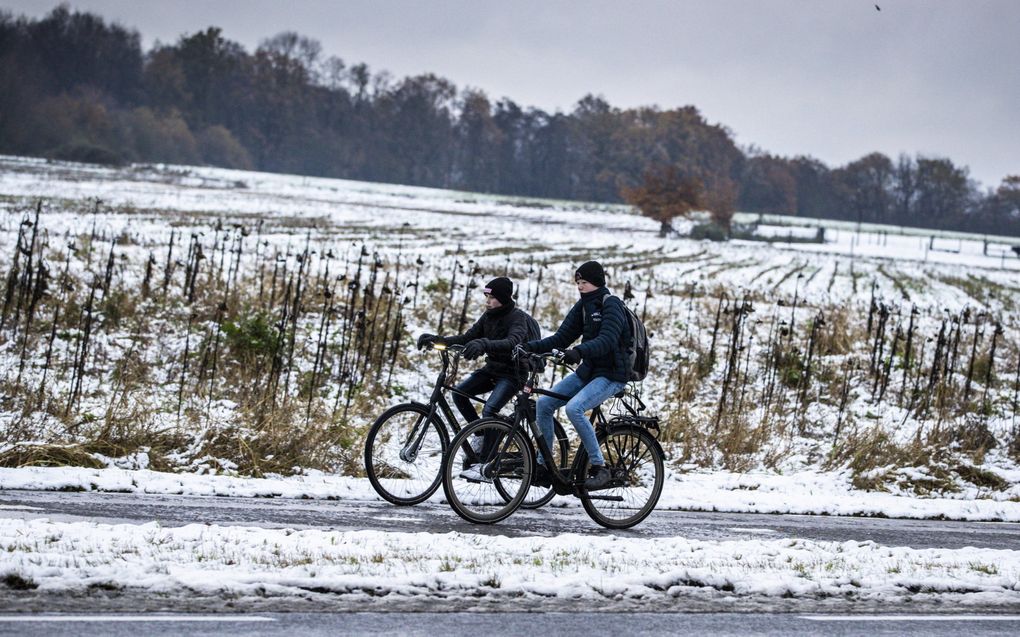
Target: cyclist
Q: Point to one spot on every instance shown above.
(501, 327)
(599, 319)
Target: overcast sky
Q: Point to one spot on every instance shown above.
(826, 78)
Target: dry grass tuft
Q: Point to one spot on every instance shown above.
(48, 455)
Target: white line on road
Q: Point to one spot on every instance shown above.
(912, 618)
(134, 618)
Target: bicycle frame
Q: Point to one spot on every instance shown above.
(438, 406)
(524, 411)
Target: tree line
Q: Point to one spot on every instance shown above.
(73, 86)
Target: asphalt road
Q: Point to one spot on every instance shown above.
(174, 510)
(497, 625)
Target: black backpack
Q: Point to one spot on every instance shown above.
(635, 343)
(534, 334)
(534, 330)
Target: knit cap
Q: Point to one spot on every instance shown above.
(501, 288)
(592, 272)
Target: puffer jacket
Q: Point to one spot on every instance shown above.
(598, 318)
(503, 328)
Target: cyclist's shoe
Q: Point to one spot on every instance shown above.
(541, 476)
(476, 446)
(475, 473)
(598, 477)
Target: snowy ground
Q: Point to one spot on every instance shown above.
(60, 558)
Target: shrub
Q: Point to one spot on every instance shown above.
(88, 153)
(251, 338)
(710, 231)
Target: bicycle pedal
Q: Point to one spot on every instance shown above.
(564, 489)
(612, 484)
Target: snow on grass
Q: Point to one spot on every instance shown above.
(805, 492)
(74, 557)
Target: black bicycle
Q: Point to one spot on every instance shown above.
(405, 446)
(629, 446)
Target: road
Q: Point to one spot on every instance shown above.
(176, 510)
(697, 614)
(498, 625)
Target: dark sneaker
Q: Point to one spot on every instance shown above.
(541, 476)
(598, 477)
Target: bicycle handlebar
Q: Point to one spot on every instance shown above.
(442, 347)
(519, 352)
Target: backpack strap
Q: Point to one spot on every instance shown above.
(623, 307)
(610, 295)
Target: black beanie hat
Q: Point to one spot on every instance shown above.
(591, 272)
(502, 289)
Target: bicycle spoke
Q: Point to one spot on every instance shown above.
(637, 470)
(644, 455)
(488, 492)
(403, 455)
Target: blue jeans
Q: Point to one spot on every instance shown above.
(584, 397)
(502, 390)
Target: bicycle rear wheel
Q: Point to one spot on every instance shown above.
(404, 454)
(636, 461)
(507, 474)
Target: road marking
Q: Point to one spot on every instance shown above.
(134, 618)
(911, 618)
(19, 507)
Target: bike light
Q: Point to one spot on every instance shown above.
(439, 346)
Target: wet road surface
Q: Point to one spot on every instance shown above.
(177, 510)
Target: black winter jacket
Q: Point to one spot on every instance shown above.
(601, 324)
(502, 328)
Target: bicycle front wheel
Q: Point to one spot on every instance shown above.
(636, 461)
(404, 454)
(500, 484)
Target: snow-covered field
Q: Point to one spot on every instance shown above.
(438, 246)
(783, 457)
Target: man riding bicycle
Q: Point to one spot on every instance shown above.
(599, 319)
(502, 327)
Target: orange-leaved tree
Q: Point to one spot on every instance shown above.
(665, 194)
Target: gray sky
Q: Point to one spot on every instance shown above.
(831, 79)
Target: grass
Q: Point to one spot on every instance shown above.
(48, 455)
(982, 477)
(987, 569)
(897, 281)
(18, 582)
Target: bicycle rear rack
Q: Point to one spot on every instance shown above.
(647, 422)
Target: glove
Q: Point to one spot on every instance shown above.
(527, 347)
(571, 357)
(426, 340)
(474, 349)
